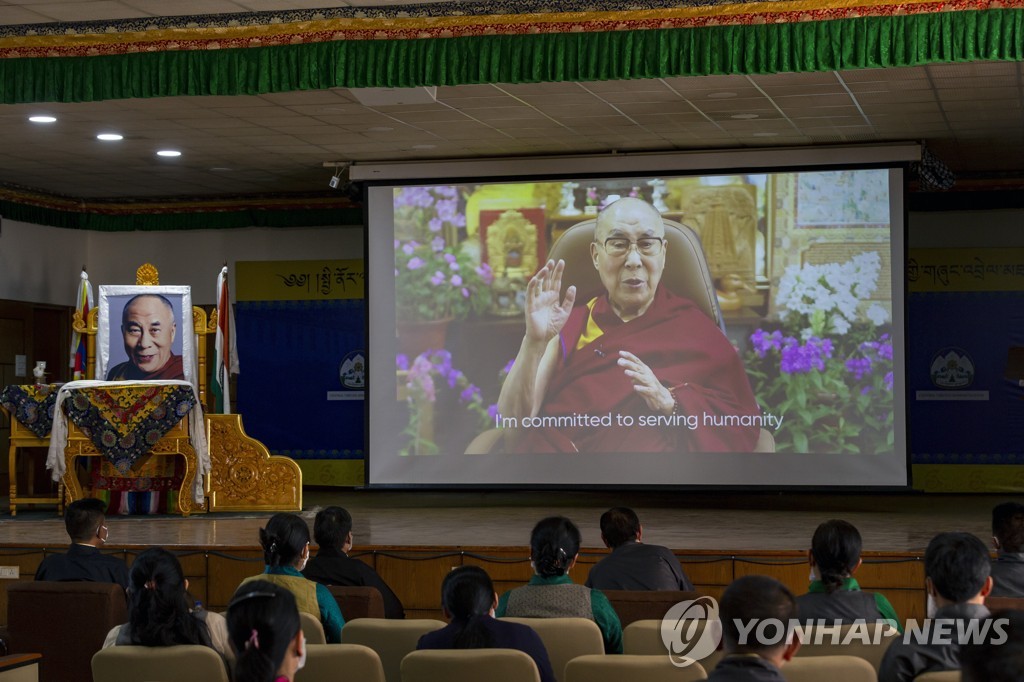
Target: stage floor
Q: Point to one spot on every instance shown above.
(682, 521)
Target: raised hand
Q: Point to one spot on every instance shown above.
(545, 315)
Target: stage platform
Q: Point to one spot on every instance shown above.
(723, 522)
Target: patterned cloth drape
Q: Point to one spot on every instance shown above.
(31, 405)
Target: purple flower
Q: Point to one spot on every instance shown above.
(508, 367)
(865, 390)
(449, 258)
(397, 243)
(801, 359)
(445, 191)
(470, 393)
(885, 351)
(763, 342)
(465, 292)
(887, 380)
(453, 378)
(456, 280)
(858, 367)
(408, 248)
(447, 209)
(437, 278)
(415, 263)
(435, 224)
(437, 244)
(485, 273)
(402, 361)
(492, 411)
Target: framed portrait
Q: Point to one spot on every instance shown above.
(145, 333)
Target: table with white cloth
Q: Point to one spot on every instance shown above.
(127, 422)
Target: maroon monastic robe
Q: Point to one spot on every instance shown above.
(687, 352)
(126, 371)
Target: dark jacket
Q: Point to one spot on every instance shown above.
(331, 567)
(83, 563)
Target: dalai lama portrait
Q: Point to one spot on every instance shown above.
(148, 328)
(638, 351)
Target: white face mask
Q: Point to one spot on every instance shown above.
(302, 659)
(931, 607)
(813, 576)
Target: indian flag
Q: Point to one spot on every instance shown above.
(83, 304)
(225, 353)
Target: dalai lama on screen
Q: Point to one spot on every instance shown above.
(148, 327)
(635, 352)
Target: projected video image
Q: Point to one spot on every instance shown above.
(716, 314)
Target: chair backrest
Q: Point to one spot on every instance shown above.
(20, 668)
(312, 628)
(831, 668)
(625, 667)
(391, 639)
(325, 663)
(643, 638)
(686, 267)
(565, 639)
(1004, 603)
(181, 663)
(469, 665)
(358, 602)
(66, 622)
(843, 642)
(633, 605)
(944, 676)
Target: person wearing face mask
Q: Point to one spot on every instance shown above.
(468, 601)
(834, 594)
(265, 633)
(285, 542)
(85, 523)
(957, 579)
(635, 349)
(1008, 539)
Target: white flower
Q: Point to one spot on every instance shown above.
(877, 314)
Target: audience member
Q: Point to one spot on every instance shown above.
(332, 530)
(957, 580)
(161, 612)
(266, 633)
(996, 659)
(468, 601)
(554, 547)
(748, 659)
(285, 543)
(834, 594)
(633, 565)
(85, 523)
(1008, 538)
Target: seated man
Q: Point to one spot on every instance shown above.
(332, 530)
(84, 520)
(956, 568)
(1008, 538)
(636, 351)
(148, 328)
(999, 657)
(633, 565)
(756, 598)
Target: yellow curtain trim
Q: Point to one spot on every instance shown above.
(592, 332)
(371, 26)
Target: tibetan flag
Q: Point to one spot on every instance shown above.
(225, 352)
(83, 304)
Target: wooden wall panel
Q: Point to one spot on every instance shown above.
(225, 573)
(416, 578)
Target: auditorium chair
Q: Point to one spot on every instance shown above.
(325, 661)
(643, 638)
(469, 665)
(358, 602)
(565, 639)
(179, 663)
(312, 628)
(872, 653)
(830, 668)
(633, 605)
(66, 622)
(391, 639)
(619, 668)
(686, 274)
(20, 668)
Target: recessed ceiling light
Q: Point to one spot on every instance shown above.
(109, 137)
(744, 117)
(168, 152)
(43, 119)
(423, 146)
(765, 134)
(721, 95)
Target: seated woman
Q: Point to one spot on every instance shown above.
(266, 634)
(285, 543)
(834, 594)
(160, 610)
(551, 593)
(468, 601)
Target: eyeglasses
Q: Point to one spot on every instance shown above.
(645, 246)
